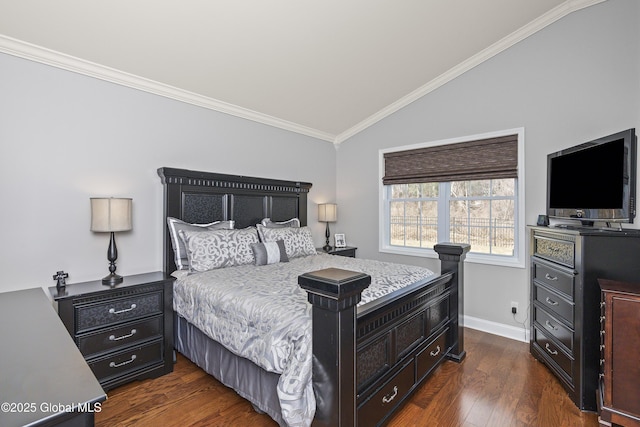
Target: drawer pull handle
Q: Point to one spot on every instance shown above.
(121, 337)
(436, 352)
(113, 310)
(550, 325)
(602, 319)
(601, 347)
(554, 352)
(550, 277)
(551, 302)
(389, 397)
(126, 362)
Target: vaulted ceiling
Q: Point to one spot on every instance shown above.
(327, 69)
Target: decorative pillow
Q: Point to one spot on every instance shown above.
(179, 250)
(293, 222)
(270, 252)
(219, 248)
(297, 241)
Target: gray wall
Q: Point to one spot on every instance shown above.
(575, 80)
(65, 137)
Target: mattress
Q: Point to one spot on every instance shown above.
(260, 313)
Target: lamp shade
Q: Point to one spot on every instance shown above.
(327, 212)
(110, 214)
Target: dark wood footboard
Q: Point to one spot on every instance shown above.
(369, 359)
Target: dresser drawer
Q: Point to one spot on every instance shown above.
(554, 303)
(116, 310)
(122, 336)
(130, 360)
(371, 412)
(428, 358)
(553, 278)
(555, 249)
(553, 327)
(551, 352)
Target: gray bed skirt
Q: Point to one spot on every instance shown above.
(245, 377)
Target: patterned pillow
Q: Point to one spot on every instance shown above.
(266, 222)
(297, 241)
(219, 248)
(293, 222)
(180, 252)
(270, 252)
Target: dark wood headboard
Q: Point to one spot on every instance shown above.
(203, 197)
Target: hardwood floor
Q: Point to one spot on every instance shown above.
(498, 384)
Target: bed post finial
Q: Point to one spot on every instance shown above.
(451, 257)
(334, 294)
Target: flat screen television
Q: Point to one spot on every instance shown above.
(594, 181)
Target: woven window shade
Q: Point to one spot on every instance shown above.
(491, 158)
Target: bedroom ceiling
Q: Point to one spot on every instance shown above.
(327, 69)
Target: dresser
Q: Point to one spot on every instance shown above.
(125, 333)
(565, 300)
(44, 380)
(620, 347)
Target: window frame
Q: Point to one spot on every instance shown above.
(518, 258)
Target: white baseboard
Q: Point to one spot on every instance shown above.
(507, 331)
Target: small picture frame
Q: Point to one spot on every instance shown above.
(340, 240)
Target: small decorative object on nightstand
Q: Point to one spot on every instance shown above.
(124, 333)
(60, 278)
(327, 212)
(348, 251)
(111, 215)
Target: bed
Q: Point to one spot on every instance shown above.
(359, 352)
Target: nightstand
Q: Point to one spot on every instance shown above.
(125, 333)
(348, 251)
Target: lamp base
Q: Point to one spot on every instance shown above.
(327, 248)
(112, 280)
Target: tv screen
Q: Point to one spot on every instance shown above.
(594, 181)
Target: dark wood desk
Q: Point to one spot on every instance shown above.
(44, 380)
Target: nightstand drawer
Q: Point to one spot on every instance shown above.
(122, 336)
(133, 359)
(117, 310)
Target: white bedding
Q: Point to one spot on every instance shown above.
(262, 314)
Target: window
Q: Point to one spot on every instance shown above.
(485, 213)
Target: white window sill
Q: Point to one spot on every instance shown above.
(475, 258)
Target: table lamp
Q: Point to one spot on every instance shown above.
(111, 215)
(327, 212)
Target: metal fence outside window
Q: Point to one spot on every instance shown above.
(484, 235)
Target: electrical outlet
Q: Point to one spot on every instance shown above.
(514, 307)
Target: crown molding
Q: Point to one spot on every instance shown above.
(533, 27)
(56, 59)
